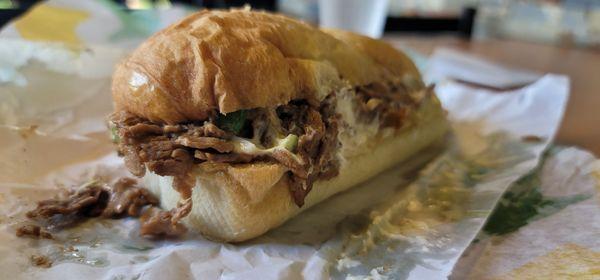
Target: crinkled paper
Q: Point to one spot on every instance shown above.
(403, 224)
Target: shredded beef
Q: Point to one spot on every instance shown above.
(172, 128)
(133, 162)
(310, 141)
(390, 103)
(171, 150)
(288, 160)
(211, 130)
(156, 149)
(122, 199)
(34, 231)
(88, 201)
(224, 158)
(197, 142)
(167, 150)
(40, 261)
(142, 129)
(91, 200)
(166, 167)
(260, 126)
(126, 199)
(157, 222)
(328, 163)
(317, 144)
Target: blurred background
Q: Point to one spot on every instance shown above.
(540, 36)
(572, 23)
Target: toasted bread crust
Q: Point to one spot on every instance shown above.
(225, 61)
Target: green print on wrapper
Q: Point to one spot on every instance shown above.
(428, 218)
(524, 203)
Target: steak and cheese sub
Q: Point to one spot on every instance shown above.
(238, 120)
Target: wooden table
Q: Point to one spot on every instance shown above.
(581, 123)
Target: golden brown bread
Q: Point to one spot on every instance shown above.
(384, 55)
(241, 59)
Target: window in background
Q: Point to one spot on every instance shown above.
(307, 10)
(403, 16)
(429, 8)
(559, 22)
(566, 23)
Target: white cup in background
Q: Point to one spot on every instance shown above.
(366, 17)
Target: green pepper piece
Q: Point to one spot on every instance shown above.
(232, 122)
(290, 142)
(114, 134)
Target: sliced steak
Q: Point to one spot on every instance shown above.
(203, 143)
(121, 199)
(127, 200)
(171, 150)
(390, 103)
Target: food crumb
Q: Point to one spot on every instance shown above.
(414, 206)
(532, 139)
(33, 231)
(41, 261)
(27, 131)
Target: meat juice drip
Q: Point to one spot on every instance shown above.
(158, 222)
(95, 199)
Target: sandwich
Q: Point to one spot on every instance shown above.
(239, 120)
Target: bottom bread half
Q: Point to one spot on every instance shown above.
(238, 202)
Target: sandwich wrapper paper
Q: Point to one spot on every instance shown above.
(424, 219)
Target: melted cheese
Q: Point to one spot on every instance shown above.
(247, 146)
(353, 135)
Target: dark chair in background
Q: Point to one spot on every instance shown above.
(269, 5)
(462, 24)
(22, 6)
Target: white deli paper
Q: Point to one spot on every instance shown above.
(447, 63)
(399, 225)
(547, 224)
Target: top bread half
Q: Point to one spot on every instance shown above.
(225, 61)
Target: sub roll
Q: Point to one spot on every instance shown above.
(239, 120)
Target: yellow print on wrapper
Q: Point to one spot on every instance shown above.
(48, 23)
